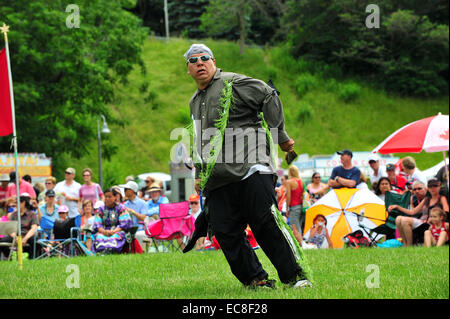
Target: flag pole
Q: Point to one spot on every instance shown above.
(5, 29)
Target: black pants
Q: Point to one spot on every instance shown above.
(231, 208)
(28, 248)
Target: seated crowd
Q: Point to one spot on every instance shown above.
(105, 217)
(427, 213)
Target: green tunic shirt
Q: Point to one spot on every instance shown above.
(245, 142)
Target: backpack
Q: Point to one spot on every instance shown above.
(356, 240)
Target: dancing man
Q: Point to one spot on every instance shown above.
(235, 170)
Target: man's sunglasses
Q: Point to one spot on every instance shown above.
(194, 203)
(204, 58)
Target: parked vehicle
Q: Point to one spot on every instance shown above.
(158, 176)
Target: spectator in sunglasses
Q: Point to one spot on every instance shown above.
(89, 190)
(406, 224)
(195, 210)
(50, 183)
(316, 189)
(144, 192)
(70, 190)
(398, 182)
(194, 205)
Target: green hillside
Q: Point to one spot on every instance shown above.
(322, 115)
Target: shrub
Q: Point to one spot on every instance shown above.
(305, 82)
(332, 85)
(304, 112)
(349, 92)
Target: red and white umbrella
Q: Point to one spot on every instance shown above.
(429, 134)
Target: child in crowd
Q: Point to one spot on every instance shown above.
(319, 232)
(87, 220)
(63, 212)
(87, 214)
(437, 234)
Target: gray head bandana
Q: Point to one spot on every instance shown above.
(198, 48)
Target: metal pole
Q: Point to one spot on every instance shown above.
(166, 18)
(99, 140)
(5, 29)
(446, 169)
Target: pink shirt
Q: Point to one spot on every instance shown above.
(24, 187)
(3, 192)
(93, 192)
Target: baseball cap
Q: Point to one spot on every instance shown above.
(4, 178)
(24, 197)
(70, 170)
(194, 198)
(50, 193)
(130, 185)
(373, 157)
(345, 152)
(390, 167)
(63, 209)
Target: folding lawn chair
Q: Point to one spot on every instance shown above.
(175, 222)
(389, 227)
(67, 242)
(7, 228)
(46, 226)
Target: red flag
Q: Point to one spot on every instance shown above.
(6, 124)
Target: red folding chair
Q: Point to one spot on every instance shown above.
(175, 223)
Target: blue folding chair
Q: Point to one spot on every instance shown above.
(47, 225)
(67, 241)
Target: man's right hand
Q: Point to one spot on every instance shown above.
(287, 146)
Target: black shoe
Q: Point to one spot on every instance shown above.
(265, 283)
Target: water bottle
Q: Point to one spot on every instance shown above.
(361, 215)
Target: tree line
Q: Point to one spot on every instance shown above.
(407, 53)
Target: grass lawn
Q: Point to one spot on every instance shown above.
(406, 273)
